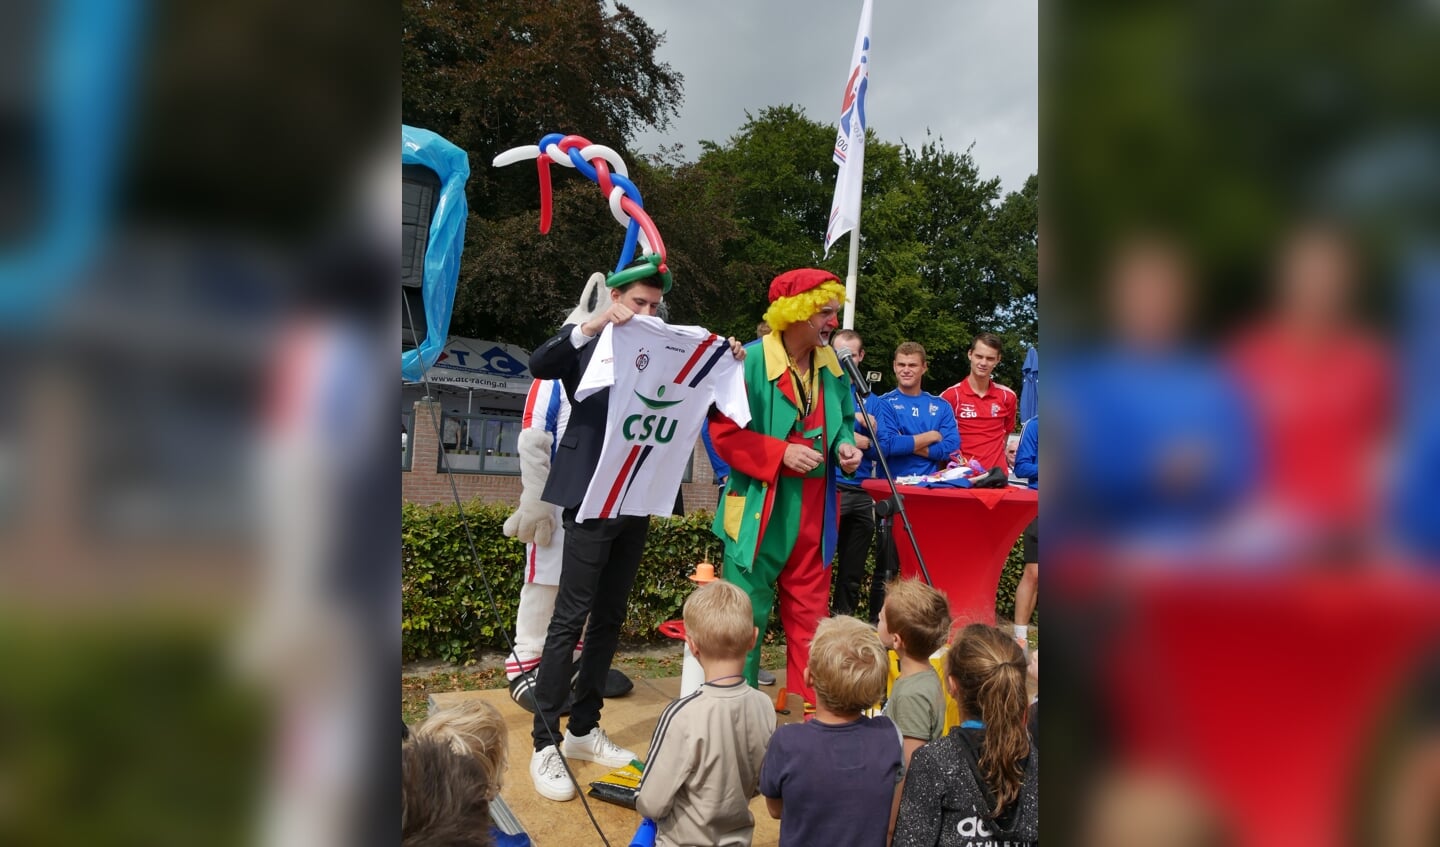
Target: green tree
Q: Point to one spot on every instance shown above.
(490, 76)
(499, 74)
(1219, 123)
(520, 284)
(943, 255)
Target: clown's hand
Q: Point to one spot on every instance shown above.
(850, 457)
(534, 519)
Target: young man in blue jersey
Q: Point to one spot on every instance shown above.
(1027, 465)
(920, 433)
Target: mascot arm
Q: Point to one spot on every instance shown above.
(533, 520)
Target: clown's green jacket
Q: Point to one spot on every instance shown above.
(755, 453)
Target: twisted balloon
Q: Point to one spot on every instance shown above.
(605, 168)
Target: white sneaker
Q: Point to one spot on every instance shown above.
(596, 747)
(548, 773)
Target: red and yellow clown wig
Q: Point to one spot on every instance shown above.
(797, 295)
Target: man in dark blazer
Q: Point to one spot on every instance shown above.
(601, 557)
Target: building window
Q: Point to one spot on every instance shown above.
(407, 439)
(483, 442)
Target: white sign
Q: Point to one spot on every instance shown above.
(476, 364)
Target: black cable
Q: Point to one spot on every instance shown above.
(485, 581)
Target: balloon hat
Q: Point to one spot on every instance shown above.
(605, 168)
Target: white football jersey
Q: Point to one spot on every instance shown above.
(662, 380)
(546, 408)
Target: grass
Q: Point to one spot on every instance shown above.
(416, 690)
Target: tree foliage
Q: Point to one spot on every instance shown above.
(490, 76)
(500, 74)
(943, 256)
(1219, 123)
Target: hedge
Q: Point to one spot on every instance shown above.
(446, 613)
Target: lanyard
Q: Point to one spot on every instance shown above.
(806, 388)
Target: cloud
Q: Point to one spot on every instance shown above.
(966, 71)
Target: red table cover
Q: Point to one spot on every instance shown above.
(964, 535)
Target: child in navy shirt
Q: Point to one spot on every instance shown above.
(832, 779)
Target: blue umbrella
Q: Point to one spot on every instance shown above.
(1030, 388)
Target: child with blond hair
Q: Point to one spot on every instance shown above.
(451, 768)
(832, 779)
(706, 753)
(915, 622)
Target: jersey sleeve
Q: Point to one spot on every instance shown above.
(538, 403)
(729, 390)
(891, 439)
(669, 767)
(600, 373)
(910, 711)
(1027, 457)
(945, 424)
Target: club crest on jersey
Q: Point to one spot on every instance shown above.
(994, 410)
(642, 361)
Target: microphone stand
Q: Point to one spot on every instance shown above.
(896, 503)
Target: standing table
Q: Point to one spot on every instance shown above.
(965, 535)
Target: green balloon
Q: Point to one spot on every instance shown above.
(644, 268)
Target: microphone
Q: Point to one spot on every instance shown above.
(852, 370)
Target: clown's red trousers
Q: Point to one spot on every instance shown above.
(790, 570)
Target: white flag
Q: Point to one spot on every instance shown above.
(850, 138)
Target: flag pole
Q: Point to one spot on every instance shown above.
(849, 154)
(852, 276)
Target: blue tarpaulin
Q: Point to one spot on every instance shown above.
(447, 239)
(82, 73)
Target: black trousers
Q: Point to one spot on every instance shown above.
(887, 564)
(600, 560)
(857, 528)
